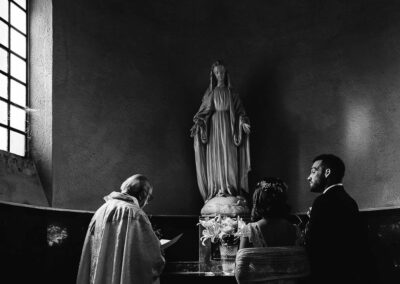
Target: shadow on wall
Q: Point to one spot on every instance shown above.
(273, 141)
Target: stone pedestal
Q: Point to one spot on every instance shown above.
(226, 205)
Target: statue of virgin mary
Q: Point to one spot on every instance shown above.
(221, 143)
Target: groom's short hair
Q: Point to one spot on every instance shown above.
(334, 163)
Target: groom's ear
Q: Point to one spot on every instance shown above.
(327, 172)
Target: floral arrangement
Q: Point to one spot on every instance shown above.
(56, 235)
(223, 229)
(275, 187)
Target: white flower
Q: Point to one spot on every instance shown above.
(219, 228)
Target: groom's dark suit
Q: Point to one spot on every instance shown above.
(335, 239)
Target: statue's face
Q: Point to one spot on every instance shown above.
(219, 72)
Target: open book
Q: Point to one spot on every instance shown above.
(167, 243)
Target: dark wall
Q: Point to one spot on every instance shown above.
(47, 244)
(314, 76)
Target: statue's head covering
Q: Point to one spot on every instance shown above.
(213, 79)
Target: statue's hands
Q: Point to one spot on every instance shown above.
(244, 121)
(246, 127)
(194, 130)
(196, 127)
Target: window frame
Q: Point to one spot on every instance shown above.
(9, 77)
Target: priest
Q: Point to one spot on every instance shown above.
(120, 245)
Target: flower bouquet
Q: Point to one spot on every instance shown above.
(225, 231)
(222, 229)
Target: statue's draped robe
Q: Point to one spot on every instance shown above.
(222, 150)
(120, 246)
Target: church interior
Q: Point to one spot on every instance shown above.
(113, 86)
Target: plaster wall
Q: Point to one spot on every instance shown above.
(314, 76)
(19, 181)
(41, 47)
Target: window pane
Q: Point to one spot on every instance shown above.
(17, 143)
(3, 34)
(18, 68)
(18, 18)
(3, 86)
(18, 43)
(3, 112)
(3, 138)
(17, 118)
(22, 3)
(4, 9)
(18, 93)
(3, 60)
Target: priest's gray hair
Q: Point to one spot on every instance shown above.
(137, 185)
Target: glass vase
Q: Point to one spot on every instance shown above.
(228, 256)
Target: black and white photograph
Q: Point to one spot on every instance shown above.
(199, 141)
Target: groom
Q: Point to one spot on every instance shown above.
(336, 241)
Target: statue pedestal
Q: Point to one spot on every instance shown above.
(226, 205)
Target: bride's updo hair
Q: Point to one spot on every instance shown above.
(270, 199)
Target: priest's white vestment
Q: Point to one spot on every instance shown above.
(120, 245)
